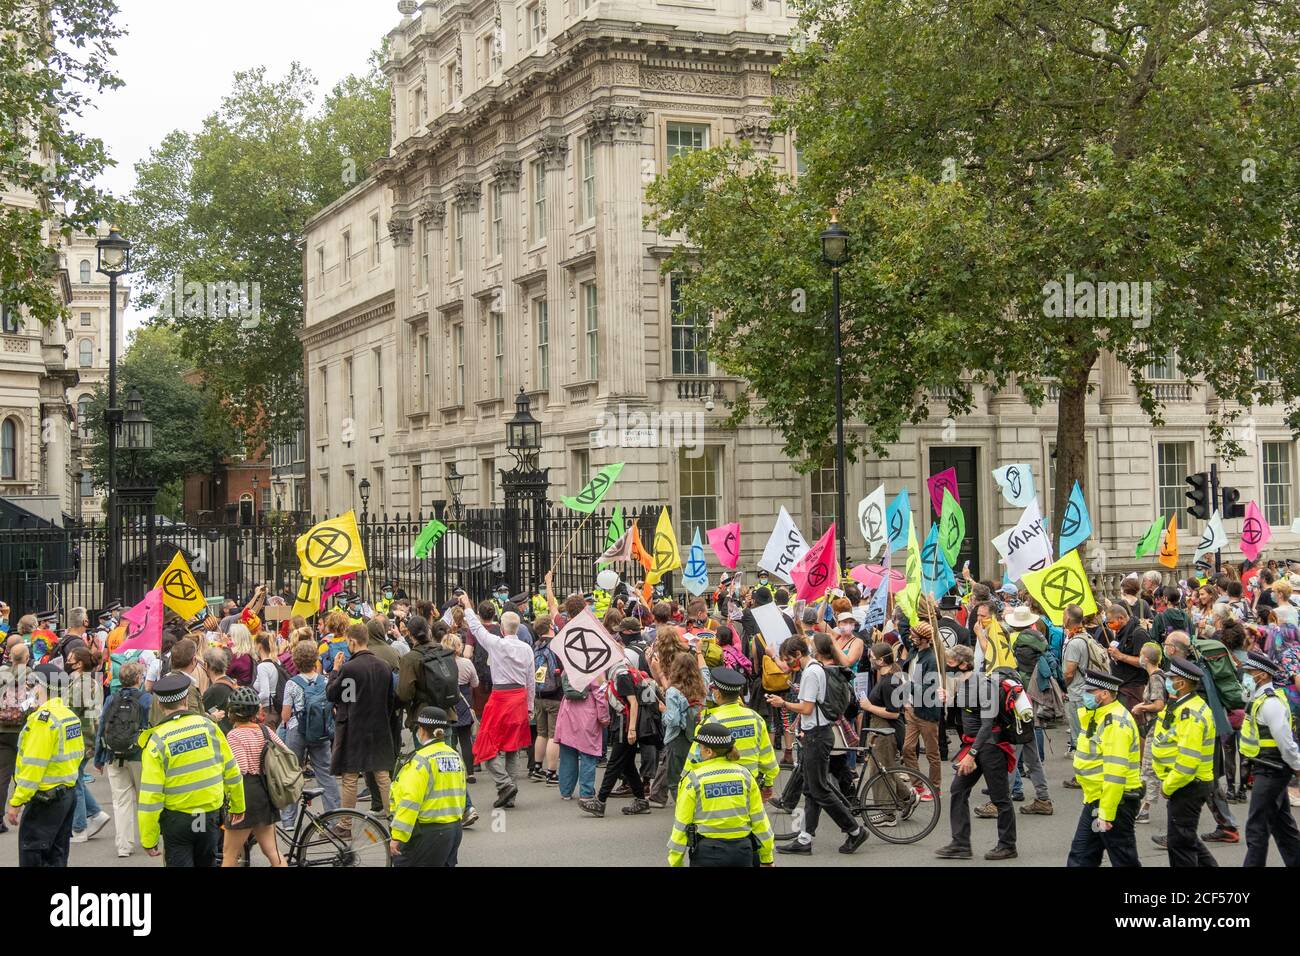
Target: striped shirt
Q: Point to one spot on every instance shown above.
(246, 743)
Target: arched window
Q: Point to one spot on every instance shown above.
(85, 271)
(9, 450)
(83, 415)
(86, 353)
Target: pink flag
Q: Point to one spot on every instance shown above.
(946, 479)
(335, 586)
(816, 572)
(869, 575)
(144, 624)
(725, 542)
(1255, 532)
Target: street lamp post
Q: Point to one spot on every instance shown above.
(835, 249)
(114, 259)
(455, 482)
(136, 489)
(525, 488)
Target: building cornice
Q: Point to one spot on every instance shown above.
(351, 321)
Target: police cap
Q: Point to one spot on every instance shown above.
(724, 678)
(171, 688)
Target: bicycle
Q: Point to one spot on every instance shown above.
(342, 837)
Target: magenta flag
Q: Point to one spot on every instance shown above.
(869, 575)
(816, 572)
(725, 542)
(335, 586)
(946, 479)
(144, 624)
(1255, 532)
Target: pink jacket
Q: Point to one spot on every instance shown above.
(579, 721)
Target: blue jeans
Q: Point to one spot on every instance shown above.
(87, 806)
(578, 768)
(318, 754)
(1017, 784)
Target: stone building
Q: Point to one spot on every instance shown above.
(501, 246)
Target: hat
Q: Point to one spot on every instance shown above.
(47, 617)
(846, 616)
(1100, 680)
(1008, 588)
(629, 625)
(105, 614)
(1131, 576)
(724, 678)
(809, 616)
(1256, 661)
(113, 606)
(715, 736)
(430, 717)
(1179, 667)
(949, 602)
(1020, 617)
(923, 630)
(171, 688)
(725, 580)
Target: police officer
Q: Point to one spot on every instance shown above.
(747, 728)
(537, 604)
(1182, 753)
(386, 598)
(500, 595)
(1267, 740)
(186, 772)
(764, 584)
(428, 797)
(720, 817)
(50, 749)
(1108, 765)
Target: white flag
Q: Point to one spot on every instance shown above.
(1017, 484)
(1026, 547)
(1295, 526)
(784, 548)
(871, 519)
(1213, 538)
(584, 649)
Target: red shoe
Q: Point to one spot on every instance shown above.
(1222, 836)
(923, 793)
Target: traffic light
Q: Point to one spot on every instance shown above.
(1231, 508)
(1199, 495)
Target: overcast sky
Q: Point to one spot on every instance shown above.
(178, 58)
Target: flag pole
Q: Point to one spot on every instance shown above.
(568, 544)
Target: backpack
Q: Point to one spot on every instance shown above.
(281, 773)
(1216, 658)
(839, 692)
(316, 719)
(281, 678)
(1098, 659)
(115, 662)
(122, 723)
(480, 662)
(643, 688)
(16, 702)
(710, 648)
(570, 693)
(438, 682)
(547, 668)
(1017, 725)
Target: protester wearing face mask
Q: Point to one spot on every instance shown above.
(1107, 764)
(847, 640)
(884, 710)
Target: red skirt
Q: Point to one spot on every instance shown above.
(505, 725)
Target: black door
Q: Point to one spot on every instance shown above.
(965, 460)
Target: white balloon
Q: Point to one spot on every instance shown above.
(607, 580)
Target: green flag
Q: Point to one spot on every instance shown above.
(590, 497)
(911, 593)
(613, 533)
(428, 538)
(952, 528)
(1151, 540)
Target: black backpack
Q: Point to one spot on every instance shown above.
(438, 683)
(838, 698)
(281, 679)
(123, 723)
(480, 662)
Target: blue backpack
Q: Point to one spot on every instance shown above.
(316, 719)
(547, 668)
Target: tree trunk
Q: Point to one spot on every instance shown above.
(1071, 440)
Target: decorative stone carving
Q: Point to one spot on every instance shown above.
(554, 150)
(434, 211)
(506, 174)
(618, 122)
(672, 81)
(757, 129)
(400, 230)
(467, 196)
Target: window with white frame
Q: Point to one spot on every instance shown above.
(426, 245)
(496, 206)
(85, 320)
(539, 200)
(587, 173)
(688, 335)
(87, 484)
(320, 269)
(322, 429)
(9, 450)
(1163, 367)
(449, 83)
(536, 18)
(9, 321)
(458, 242)
(347, 256)
(83, 416)
(422, 353)
(699, 495)
(499, 353)
(374, 240)
(85, 271)
(349, 393)
(591, 329)
(458, 347)
(542, 343)
(1275, 459)
(1173, 465)
(377, 416)
(85, 353)
(822, 498)
(686, 138)
(581, 470)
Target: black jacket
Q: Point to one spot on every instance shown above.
(362, 693)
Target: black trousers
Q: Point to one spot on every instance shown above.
(621, 766)
(1119, 842)
(8, 760)
(991, 765)
(46, 829)
(819, 793)
(431, 844)
(1270, 813)
(717, 854)
(189, 839)
(1185, 846)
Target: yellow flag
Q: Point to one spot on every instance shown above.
(307, 601)
(1169, 544)
(665, 555)
(1059, 585)
(332, 548)
(180, 591)
(911, 593)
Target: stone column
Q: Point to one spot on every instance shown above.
(554, 151)
(468, 194)
(55, 436)
(505, 176)
(400, 229)
(1115, 385)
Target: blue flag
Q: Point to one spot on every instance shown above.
(898, 518)
(696, 572)
(879, 605)
(936, 572)
(1076, 526)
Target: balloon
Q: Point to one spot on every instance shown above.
(607, 580)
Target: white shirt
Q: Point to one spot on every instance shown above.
(509, 659)
(812, 686)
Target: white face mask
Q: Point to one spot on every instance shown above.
(847, 629)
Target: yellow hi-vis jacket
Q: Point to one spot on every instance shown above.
(185, 765)
(749, 731)
(1256, 738)
(1107, 757)
(50, 749)
(429, 789)
(722, 800)
(1182, 743)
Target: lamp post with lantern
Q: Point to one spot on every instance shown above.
(114, 260)
(525, 488)
(835, 249)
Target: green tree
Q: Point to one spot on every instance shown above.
(978, 152)
(54, 58)
(229, 204)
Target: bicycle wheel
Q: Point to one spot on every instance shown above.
(892, 806)
(343, 838)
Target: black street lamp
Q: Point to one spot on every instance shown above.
(525, 488)
(114, 259)
(524, 433)
(835, 249)
(364, 489)
(455, 482)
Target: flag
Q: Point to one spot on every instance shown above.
(667, 556)
(1016, 483)
(180, 591)
(144, 624)
(615, 529)
(639, 553)
(785, 546)
(307, 601)
(879, 608)
(946, 479)
(332, 547)
(898, 519)
(1059, 585)
(1255, 532)
(585, 649)
(1076, 525)
(725, 542)
(1169, 546)
(696, 572)
(1213, 538)
(911, 592)
(870, 576)
(1027, 546)
(952, 528)
(936, 572)
(872, 520)
(331, 587)
(594, 492)
(620, 550)
(429, 537)
(816, 572)
(1151, 540)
